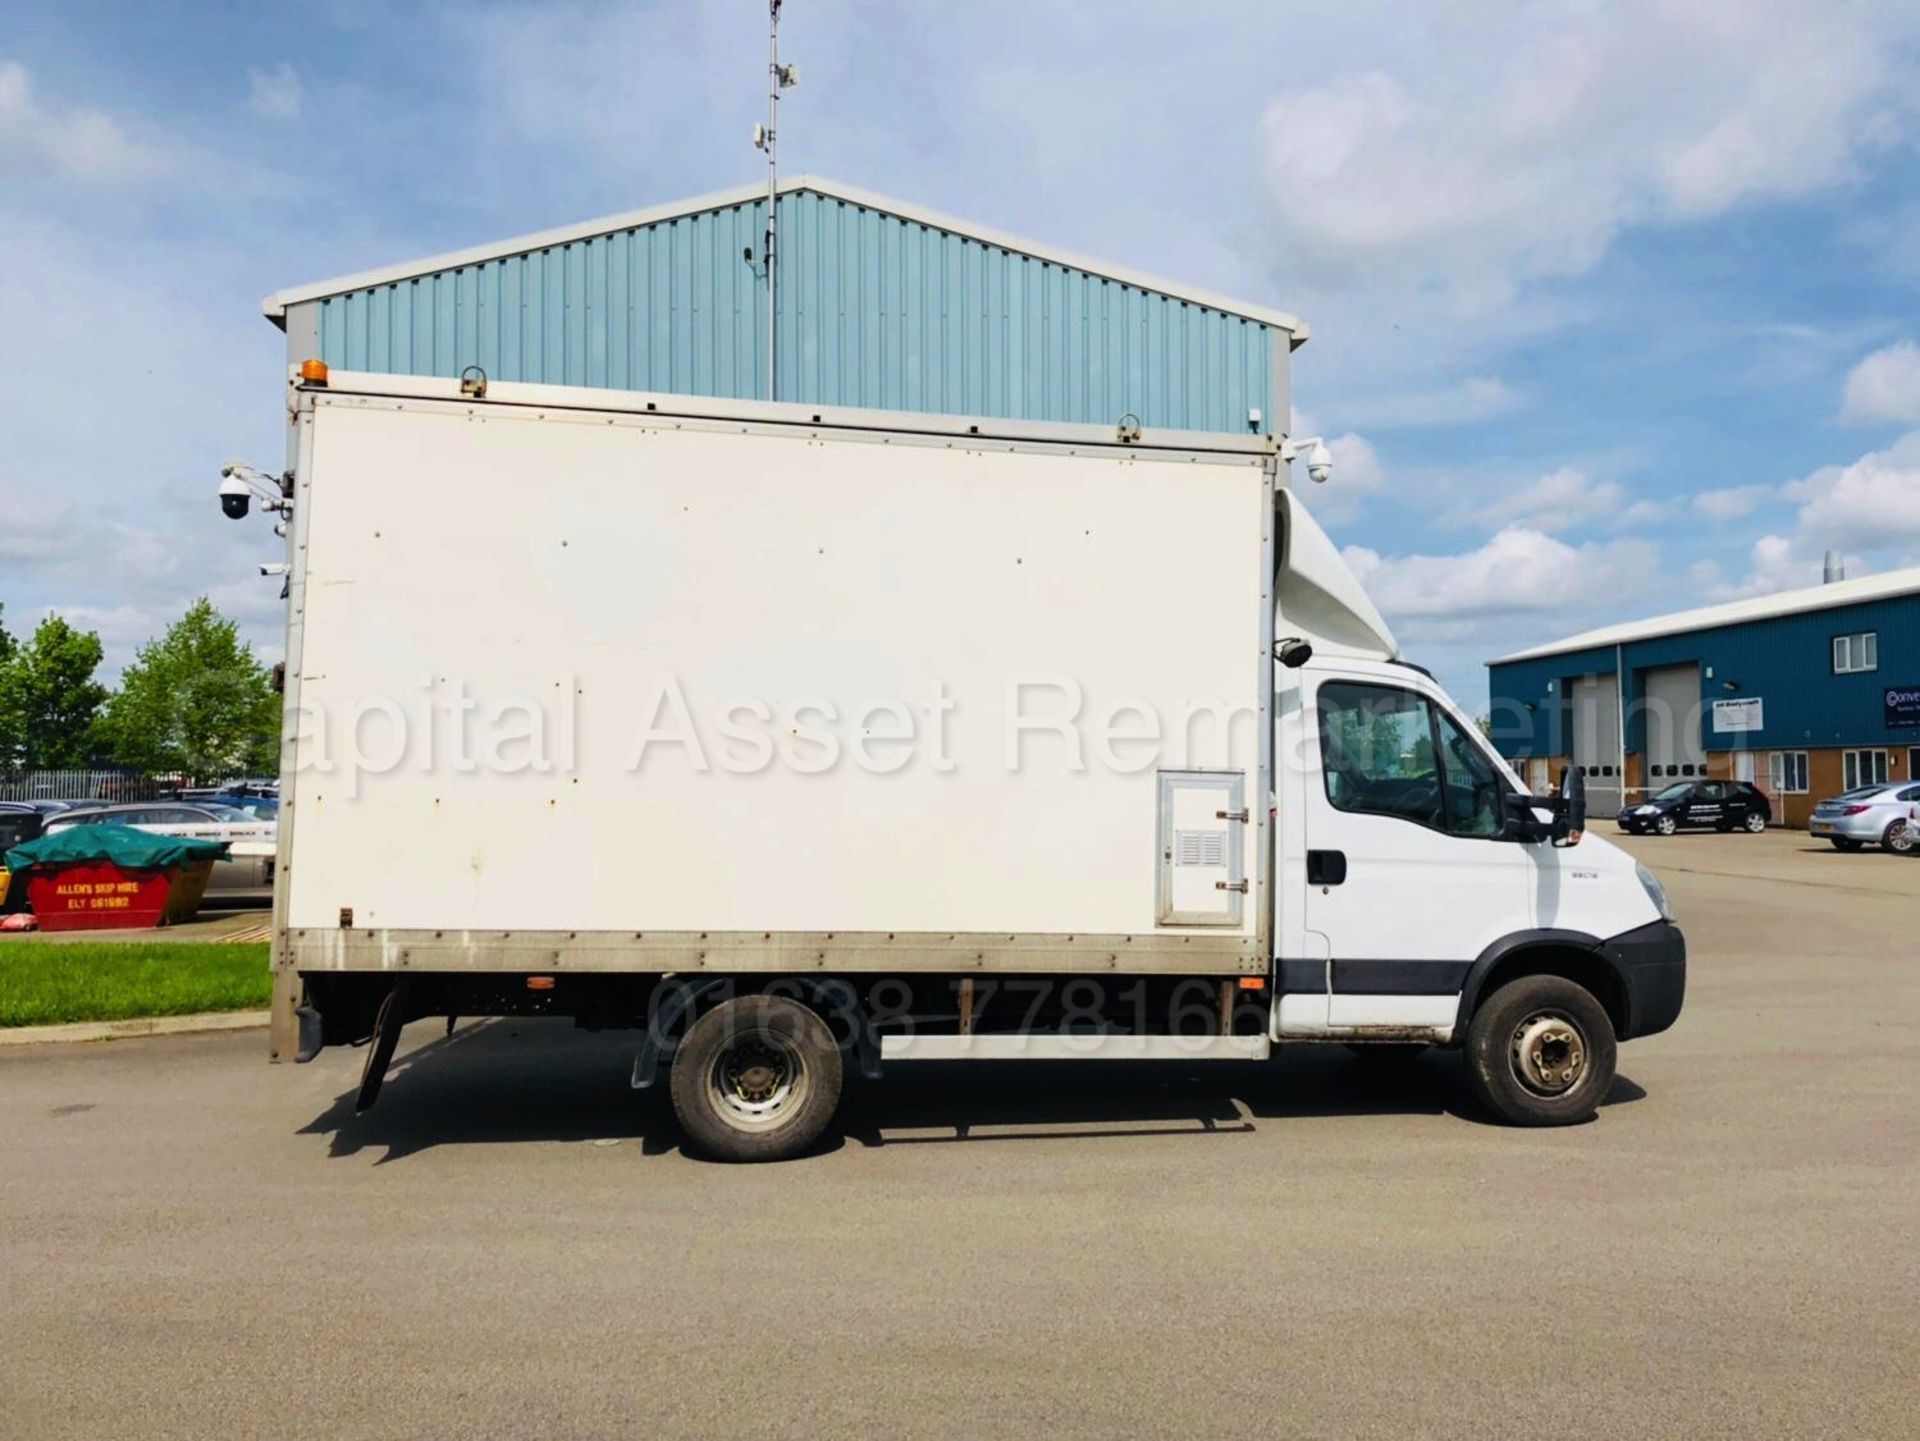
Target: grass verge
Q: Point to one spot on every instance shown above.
(46, 985)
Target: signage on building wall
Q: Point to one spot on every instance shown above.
(1903, 705)
(1746, 714)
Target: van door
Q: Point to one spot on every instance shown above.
(1408, 877)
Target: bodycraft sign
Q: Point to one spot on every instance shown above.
(1903, 706)
(1746, 714)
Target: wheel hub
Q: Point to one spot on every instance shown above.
(1549, 1054)
(756, 1080)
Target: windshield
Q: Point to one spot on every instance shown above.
(1861, 793)
(1674, 793)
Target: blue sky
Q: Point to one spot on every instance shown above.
(1615, 307)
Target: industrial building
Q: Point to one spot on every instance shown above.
(1806, 693)
(881, 305)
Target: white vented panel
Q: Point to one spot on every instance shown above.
(1200, 848)
(1202, 829)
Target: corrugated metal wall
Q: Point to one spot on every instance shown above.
(875, 311)
(1785, 661)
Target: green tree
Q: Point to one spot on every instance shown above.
(195, 702)
(48, 697)
(9, 742)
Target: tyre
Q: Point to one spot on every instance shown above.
(1899, 839)
(1666, 825)
(1540, 1052)
(1842, 843)
(756, 1079)
(1756, 822)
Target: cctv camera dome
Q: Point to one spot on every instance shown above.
(234, 497)
(1319, 462)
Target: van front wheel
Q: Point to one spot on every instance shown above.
(756, 1079)
(1541, 1052)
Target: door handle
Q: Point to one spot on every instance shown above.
(1326, 868)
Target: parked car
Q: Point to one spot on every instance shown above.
(258, 801)
(1877, 815)
(253, 843)
(53, 807)
(1722, 805)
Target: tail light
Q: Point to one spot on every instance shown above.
(1855, 810)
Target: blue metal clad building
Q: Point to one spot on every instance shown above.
(882, 305)
(1806, 693)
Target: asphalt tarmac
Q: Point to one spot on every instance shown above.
(194, 1243)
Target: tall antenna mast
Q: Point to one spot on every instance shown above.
(767, 137)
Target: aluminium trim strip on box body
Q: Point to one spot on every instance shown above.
(722, 952)
(556, 401)
(283, 1028)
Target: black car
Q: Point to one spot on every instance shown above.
(1723, 805)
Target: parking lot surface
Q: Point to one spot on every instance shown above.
(193, 1243)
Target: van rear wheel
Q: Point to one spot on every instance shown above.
(756, 1079)
(1541, 1052)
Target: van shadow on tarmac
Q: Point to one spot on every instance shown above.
(504, 1081)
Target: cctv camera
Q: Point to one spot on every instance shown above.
(1319, 463)
(235, 497)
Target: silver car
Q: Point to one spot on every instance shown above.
(1886, 815)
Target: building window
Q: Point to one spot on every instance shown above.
(1787, 773)
(1862, 768)
(1854, 653)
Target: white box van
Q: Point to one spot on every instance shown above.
(798, 739)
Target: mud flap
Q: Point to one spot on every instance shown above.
(386, 1035)
(311, 1028)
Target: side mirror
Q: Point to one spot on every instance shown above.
(1570, 808)
(1293, 652)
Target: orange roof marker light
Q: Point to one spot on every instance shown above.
(313, 371)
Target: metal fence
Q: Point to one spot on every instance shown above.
(98, 785)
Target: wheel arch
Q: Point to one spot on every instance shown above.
(1574, 955)
(680, 1002)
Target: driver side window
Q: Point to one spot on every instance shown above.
(1391, 752)
(1376, 747)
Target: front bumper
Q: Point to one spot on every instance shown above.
(1652, 961)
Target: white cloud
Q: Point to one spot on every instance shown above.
(1508, 142)
(75, 144)
(1868, 510)
(1478, 397)
(1884, 387)
(1356, 465)
(1871, 505)
(1567, 499)
(275, 94)
(1518, 569)
(1733, 501)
